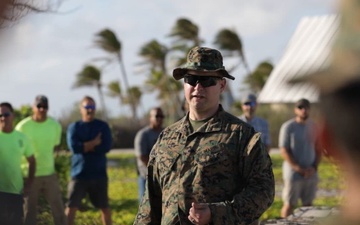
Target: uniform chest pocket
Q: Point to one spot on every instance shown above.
(211, 156)
(166, 162)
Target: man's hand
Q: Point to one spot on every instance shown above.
(199, 213)
(97, 140)
(89, 146)
(309, 172)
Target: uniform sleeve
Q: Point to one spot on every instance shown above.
(28, 147)
(284, 138)
(266, 134)
(75, 145)
(257, 193)
(106, 139)
(150, 208)
(137, 144)
(58, 133)
(140, 144)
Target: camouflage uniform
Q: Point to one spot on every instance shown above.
(223, 164)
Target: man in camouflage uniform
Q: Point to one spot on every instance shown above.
(209, 167)
(339, 87)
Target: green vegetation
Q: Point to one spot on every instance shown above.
(123, 190)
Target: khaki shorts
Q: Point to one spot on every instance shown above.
(303, 189)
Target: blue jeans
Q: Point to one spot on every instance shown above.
(141, 184)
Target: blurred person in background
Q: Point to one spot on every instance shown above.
(248, 106)
(300, 150)
(13, 146)
(339, 104)
(144, 141)
(89, 139)
(45, 135)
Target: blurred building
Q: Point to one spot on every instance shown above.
(308, 50)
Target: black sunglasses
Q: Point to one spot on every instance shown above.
(42, 106)
(7, 114)
(251, 104)
(302, 107)
(204, 81)
(159, 116)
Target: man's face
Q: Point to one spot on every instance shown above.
(249, 108)
(203, 93)
(40, 110)
(156, 118)
(87, 110)
(302, 112)
(6, 118)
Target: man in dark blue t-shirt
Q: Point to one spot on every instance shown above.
(89, 139)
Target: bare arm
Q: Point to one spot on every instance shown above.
(290, 159)
(32, 167)
(144, 159)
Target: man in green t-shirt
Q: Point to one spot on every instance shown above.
(13, 146)
(45, 134)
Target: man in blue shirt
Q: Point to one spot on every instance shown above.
(248, 106)
(89, 139)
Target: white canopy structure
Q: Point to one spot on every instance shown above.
(307, 51)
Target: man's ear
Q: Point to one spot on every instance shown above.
(222, 84)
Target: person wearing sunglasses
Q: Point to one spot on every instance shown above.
(45, 135)
(143, 143)
(14, 145)
(89, 139)
(338, 85)
(248, 106)
(209, 167)
(302, 154)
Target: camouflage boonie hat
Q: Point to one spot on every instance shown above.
(345, 65)
(202, 61)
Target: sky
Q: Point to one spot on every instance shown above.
(42, 53)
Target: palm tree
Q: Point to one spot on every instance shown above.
(257, 79)
(230, 42)
(186, 35)
(107, 40)
(155, 55)
(185, 30)
(90, 76)
(114, 90)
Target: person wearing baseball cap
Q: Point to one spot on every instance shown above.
(248, 106)
(209, 167)
(45, 134)
(301, 154)
(339, 104)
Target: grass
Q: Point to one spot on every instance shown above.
(123, 192)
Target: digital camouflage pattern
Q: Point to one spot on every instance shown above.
(201, 61)
(222, 164)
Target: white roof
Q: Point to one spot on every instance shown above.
(307, 51)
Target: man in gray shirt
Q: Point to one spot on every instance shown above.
(297, 143)
(144, 141)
